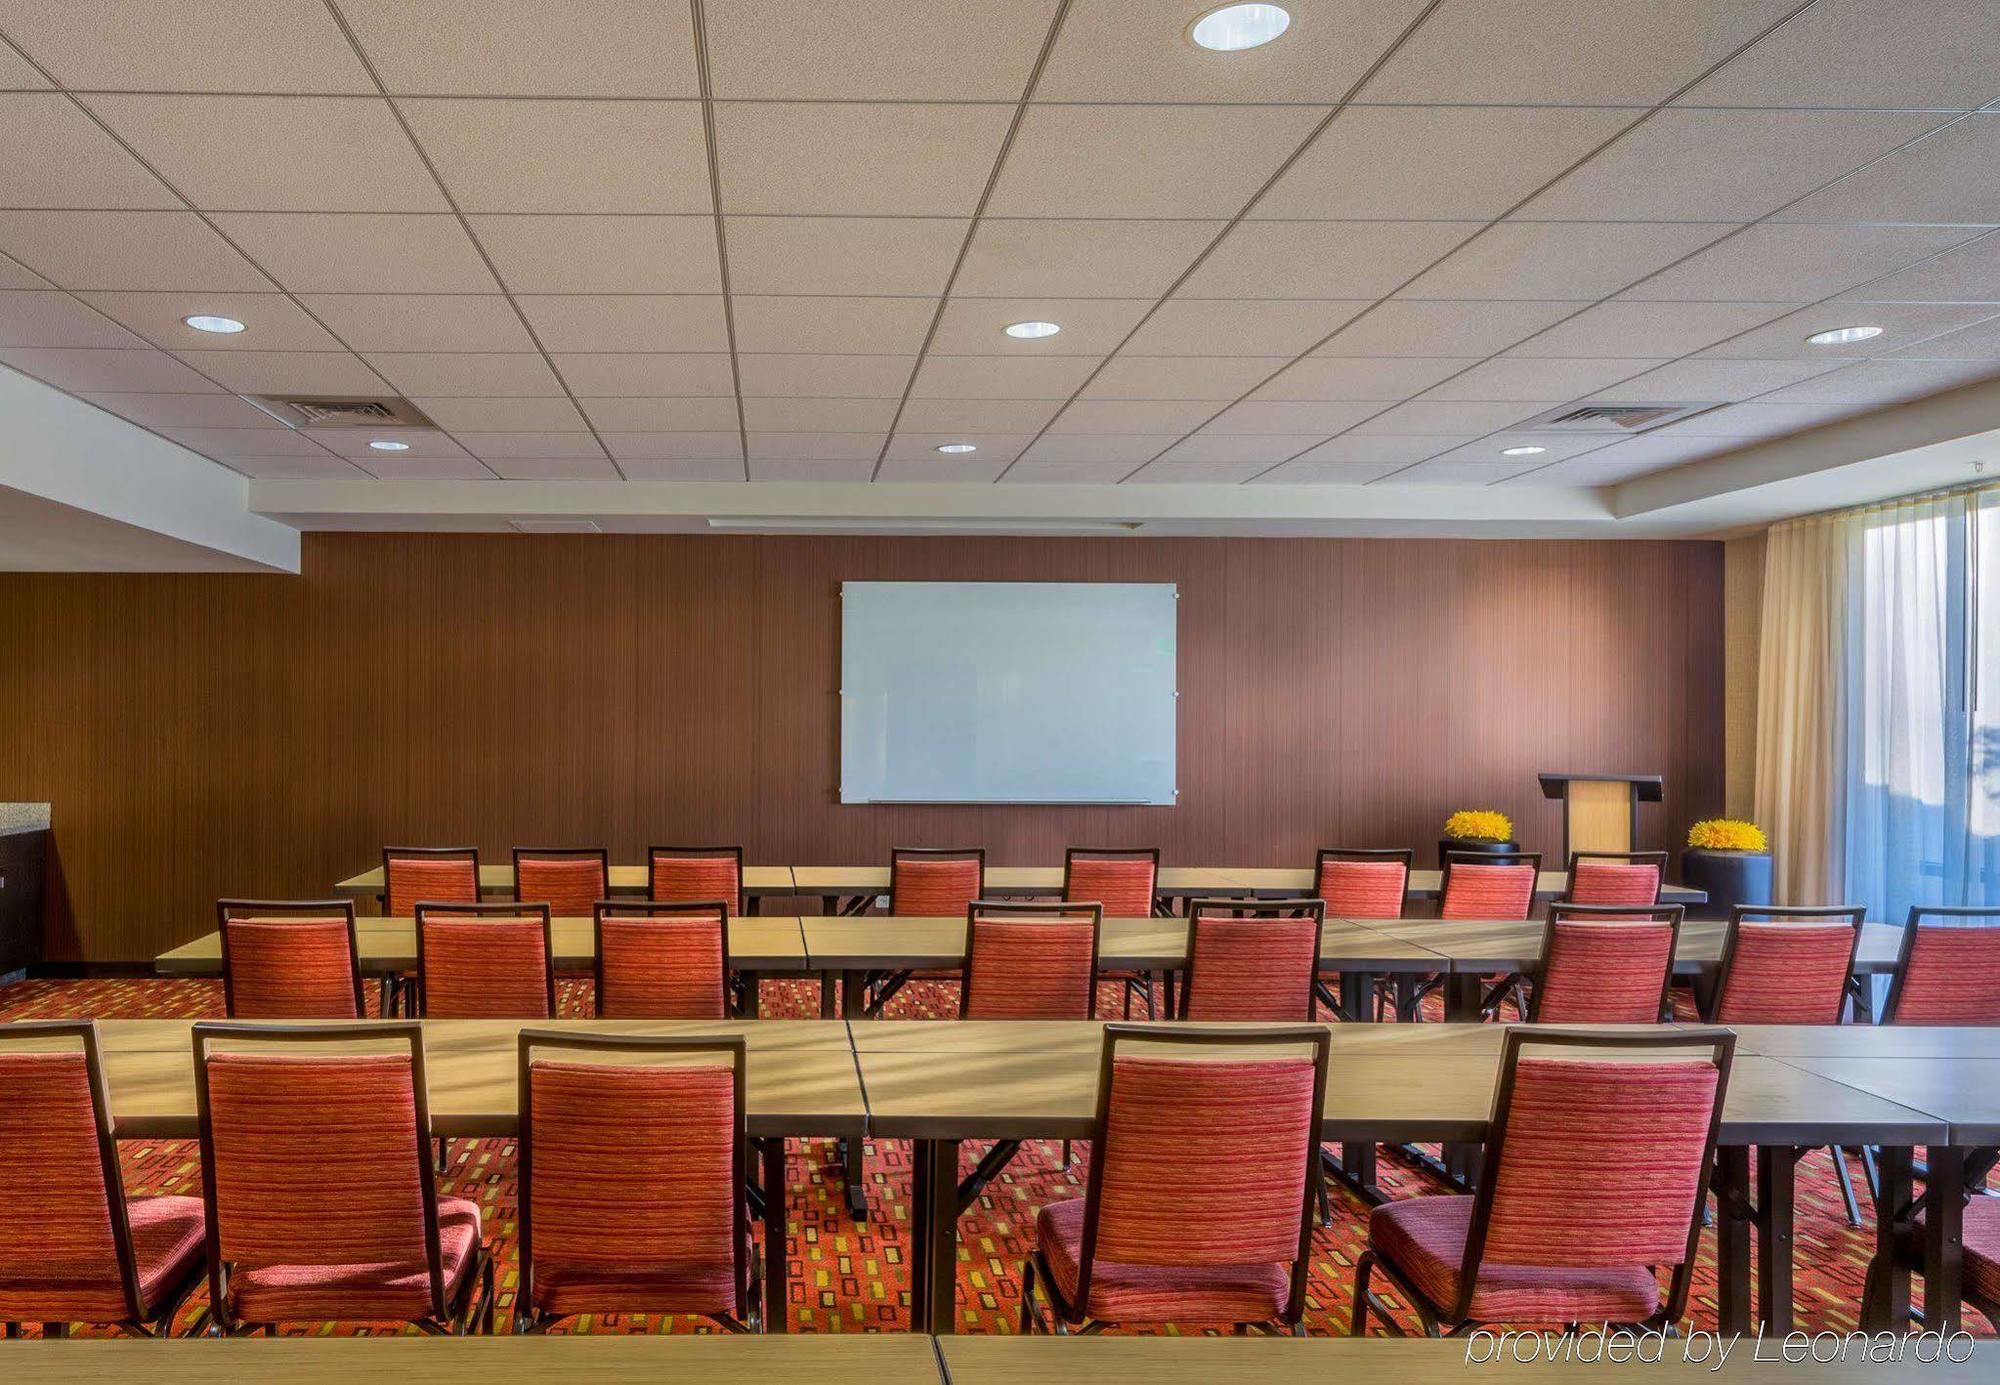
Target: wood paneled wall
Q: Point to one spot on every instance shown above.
(202, 735)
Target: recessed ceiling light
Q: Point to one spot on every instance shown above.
(1842, 336)
(1233, 28)
(1031, 331)
(1522, 451)
(952, 449)
(389, 445)
(208, 322)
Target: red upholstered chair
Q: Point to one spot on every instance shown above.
(1605, 964)
(632, 1198)
(1199, 1204)
(1949, 969)
(1595, 1173)
(413, 875)
(662, 961)
(695, 874)
(1474, 887)
(485, 961)
(1252, 960)
(1616, 877)
(1123, 880)
(1363, 883)
(570, 882)
(72, 1247)
(926, 882)
(290, 960)
(321, 1202)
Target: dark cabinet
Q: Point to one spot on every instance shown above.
(21, 860)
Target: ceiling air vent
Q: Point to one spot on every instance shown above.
(335, 411)
(1609, 418)
(555, 526)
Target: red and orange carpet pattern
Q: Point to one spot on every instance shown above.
(849, 1277)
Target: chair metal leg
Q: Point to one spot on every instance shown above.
(1363, 1267)
(55, 1329)
(1846, 1185)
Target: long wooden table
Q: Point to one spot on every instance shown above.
(498, 880)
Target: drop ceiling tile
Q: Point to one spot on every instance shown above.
(566, 156)
(677, 374)
(1563, 260)
(1883, 382)
(320, 468)
(1954, 175)
(1080, 259)
(862, 159)
(1757, 419)
(1085, 448)
(684, 469)
(14, 275)
(528, 47)
(603, 254)
(1137, 50)
(1026, 473)
(190, 45)
(853, 471)
(1363, 450)
(1387, 377)
(1458, 472)
(464, 374)
(1180, 377)
(546, 445)
(819, 415)
(1310, 473)
(276, 153)
(1710, 379)
(1489, 452)
(1788, 264)
(842, 255)
(224, 443)
(1321, 259)
(1656, 452)
(271, 321)
(662, 415)
(1126, 417)
(1902, 324)
(421, 322)
(578, 469)
(286, 372)
(321, 252)
(1527, 377)
(126, 250)
(1276, 416)
(53, 155)
(825, 377)
(504, 415)
(1975, 342)
(1242, 327)
(402, 466)
(627, 322)
(807, 324)
(16, 74)
(1242, 449)
(1435, 163)
(1090, 326)
(1403, 327)
(944, 471)
(1586, 471)
(185, 410)
(833, 50)
(44, 317)
(423, 444)
(920, 446)
(1683, 165)
(1968, 273)
(1657, 329)
(1001, 377)
(82, 370)
(1440, 417)
(1879, 53)
(1530, 51)
(627, 447)
(1144, 161)
(1170, 473)
(832, 447)
(1026, 416)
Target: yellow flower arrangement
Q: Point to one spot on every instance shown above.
(1727, 834)
(1479, 825)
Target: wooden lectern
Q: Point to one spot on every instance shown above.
(1600, 811)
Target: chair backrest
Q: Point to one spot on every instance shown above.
(1786, 965)
(1205, 1160)
(694, 874)
(1616, 877)
(935, 882)
(1252, 960)
(653, 1128)
(1605, 964)
(65, 1228)
(1359, 883)
(1122, 880)
(1949, 968)
(485, 961)
(1030, 961)
(662, 961)
(290, 959)
(569, 881)
(1599, 1162)
(1481, 886)
(413, 875)
(317, 1157)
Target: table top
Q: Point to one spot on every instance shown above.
(1498, 945)
(1962, 1091)
(499, 879)
(1171, 880)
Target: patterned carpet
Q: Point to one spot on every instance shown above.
(847, 1277)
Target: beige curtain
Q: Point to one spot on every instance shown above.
(1800, 712)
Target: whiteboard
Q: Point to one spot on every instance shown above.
(1007, 692)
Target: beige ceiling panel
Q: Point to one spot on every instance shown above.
(1264, 448)
(603, 254)
(320, 252)
(1442, 417)
(14, 275)
(43, 317)
(88, 369)
(1180, 377)
(528, 47)
(1403, 327)
(401, 466)
(1490, 451)
(1027, 473)
(1567, 52)
(1709, 379)
(577, 469)
(1247, 327)
(852, 471)
(1145, 161)
(287, 372)
(1562, 260)
(662, 415)
(1967, 273)
(187, 45)
(627, 322)
(1435, 162)
(271, 321)
(321, 468)
(421, 322)
(53, 155)
(1309, 473)
(908, 446)
(1655, 451)
(276, 153)
(1789, 264)
(1129, 417)
(1883, 382)
(1194, 473)
(185, 410)
(1588, 470)
(1279, 416)
(949, 471)
(1440, 471)
(1361, 449)
(126, 250)
(1902, 324)
(1866, 53)
(1954, 175)
(567, 156)
(832, 447)
(1025, 416)
(835, 50)
(16, 74)
(1526, 377)
(224, 443)
(1098, 449)
(1090, 326)
(673, 374)
(1975, 342)
(1080, 259)
(491, 445)
(722, 443)
(1321, 259)
(859, 159)
(424, 444)
(1001, 377)
(1757, 419)
(1656, 329)
(809, 325)
(819, 415)
(1388, 377)
(465, 374)
(825, 377)
(547, 414)
(684, 469)
(842, 255)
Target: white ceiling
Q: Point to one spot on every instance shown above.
(776, 240)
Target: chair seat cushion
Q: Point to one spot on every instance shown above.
(169, 1242)
(1424, 1238)
(563, 1289)
(360, 1293)
(1158, 1293)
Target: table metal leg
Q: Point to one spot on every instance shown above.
(777, 1298)
(852, 996)
(1888, 1308)
(1776, 1185)
(1944, 1248)
(1732, 1239)
(1357, 1157)
(941, 1257)
(920, 1236)
(829, 995)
